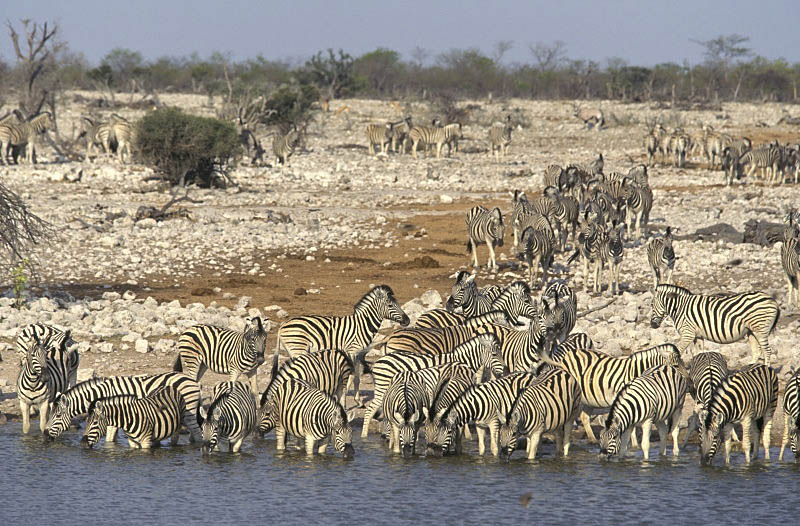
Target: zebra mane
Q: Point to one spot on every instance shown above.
(385, 289)
(665, 287)
(218, 400)
(113, 399)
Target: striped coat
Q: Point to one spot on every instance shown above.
(791, 411)
(231, 417)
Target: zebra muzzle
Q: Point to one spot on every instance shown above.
(655, 323)
(348, 452)
(85, 443)
(507, 453)
(434, 451)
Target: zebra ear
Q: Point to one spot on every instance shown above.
(499, 215)
(469, 278)
(719, 419)
(351, 414)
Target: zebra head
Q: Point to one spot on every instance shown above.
(439, 434)
(520, 297)
(658, 307)
(255, 336)
(610, 440)
(267, 420)
(495, 227)
(711, 428)
(464, 282)
(490, 354)
(408, 431)
(509, 430)
(794, 438)
(60, 417)
(36, 361)
(211, 427)
(392, 310)
(96, 424)
(342, 434)
(672, 356)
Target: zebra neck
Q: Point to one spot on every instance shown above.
(371, 321)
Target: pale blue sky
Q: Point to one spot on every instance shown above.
(640, 31)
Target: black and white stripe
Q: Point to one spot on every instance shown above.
(548, 405)
(613, 253)
(75, 402)
(231, 417)
(124, 133)
(96, 133)
(537, 249)
(484, 227)
(591, 242)
(748, 397)
(47, 335)
(707, 371)
(146, 421)
(48, 368)
(310, 414)
(654, 398)
(639, 202)
(790, 260)
(456, 379)
(434, 136)
(223, 351)
(466, 294)
(404, 406)
(719, 318)
(283, 146)
(661, 256)
(500, 138)
(439, 340)
(380, 134)
(400, 130)
(766, 159)
(791, 411)
(23, 133)
(562, 313)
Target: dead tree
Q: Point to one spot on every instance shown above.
(163, 213)
(36, 57)
(19, 229)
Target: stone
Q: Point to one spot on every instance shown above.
(105, 347)
(281, 314)
(147, 223)
(630, 314)
(164, 345)
(141, 346)
(243, 302)
(431, 299)
(445, 199)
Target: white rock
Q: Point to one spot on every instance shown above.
(141, 346)
(164, 345)
(630, 314)
(431, 299)
(105, 347)
(445, 199)
(282, 314)
(146, 223)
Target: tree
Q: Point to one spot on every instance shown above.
(19, 229)
(501, 47)
(36, 59)
(379, 68)
(125, 65)
(333, 73)
(549, 56)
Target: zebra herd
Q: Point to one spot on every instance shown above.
(736, 156)
(449, 372)
(398, 135)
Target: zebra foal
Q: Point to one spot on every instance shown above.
(231, 417)
(484, 227)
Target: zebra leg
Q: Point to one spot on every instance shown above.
(533, 444)
(369, 413)
(625, 439)
(663, 437)
(111, 434)
(310, 443)
(566, 433)
(746, 442)
(280, 437)
(25, 409)
(588, 427)
(634, 438)
(481, 439)
(691, 425)
(766, 436)
(787, 424)
(467, 432)
(492, 261)
(494, 431)
(43, 410)
(647, 427)
(395, 439)
(756, 349)
(474, 254)
(322, 447)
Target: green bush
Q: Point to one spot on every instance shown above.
(291, 105)
(187, 148)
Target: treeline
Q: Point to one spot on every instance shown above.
(728, 73)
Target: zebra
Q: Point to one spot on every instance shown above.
(465, 294)
(766, 158)
(514, 301)
(554, 175)
(479, 353)
(453, 133)
(720, 319)
(48, 368)
(400, 131)
(283, 146)
(537, 249)
(591, 117)
(481, 404)
(484, 227)
(639, 201)
(328, 370)
(520, 206)
(96, 132)
(661, 256)
(313, 415)
(379, 134)
(531, 219)
(791, 410)
(549, 404)
(500, 138)
(651, 146)
(612, 253)
(748, 396)
(75, 402)
(565, 213)
(655, 397)
(224, 351)
(790, 260)
(405, 404)
(146, 421)
(440, 340)
(455, 380)
(231, 417)
(562, 316)
(592, 240)
(48, 335)
(432, 135)
(707, 370)
(124, 133)
(601, 376)
(24, 133)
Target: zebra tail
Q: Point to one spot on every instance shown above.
(178, 366)
(574, 256)
(361, 359)
(469, 245)
(775, 323)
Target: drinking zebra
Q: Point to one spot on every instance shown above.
(404, 406)
(76, 401)
(47, 369)
(455, 380)
(661, 256)
(791, 411)
(749, 397)
(707, 370)
(146, 421)
(484, 227)
(224, 351)
(719, 318)
(549, 404)
(654, 398)
(231, 417)
(310, 414)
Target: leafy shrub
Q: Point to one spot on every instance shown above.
(290, 105)
(187, 148)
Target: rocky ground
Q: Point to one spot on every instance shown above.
(314, 236)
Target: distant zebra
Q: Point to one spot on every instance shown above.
(639, 202)
(790, 261)
(405, 403)
(453, 133)
(23, 133)
(707, 370)
(283, 146)
(537, 249)
(530, 218)
(720, 319)
(75, 402)
(379, 134)
(484, 227)
(480, 404)
(514, 301)
(564, 310)
(224, 351)
(124, 133)
(791, 410)
(601, 376)
(661, 256)
(146, 421)
(500, 138)
(96, 133)
(480, 353)
(519, 206)
(231, 417)
(313, 415)
(47, 369)
(748, 397)
(591, 248)
(565, 213)
(432, 135)
(654, 398)
(766, 158)
(613, 252)
(465, 294)
(439, 340)
(400, 132)
(548, 405)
